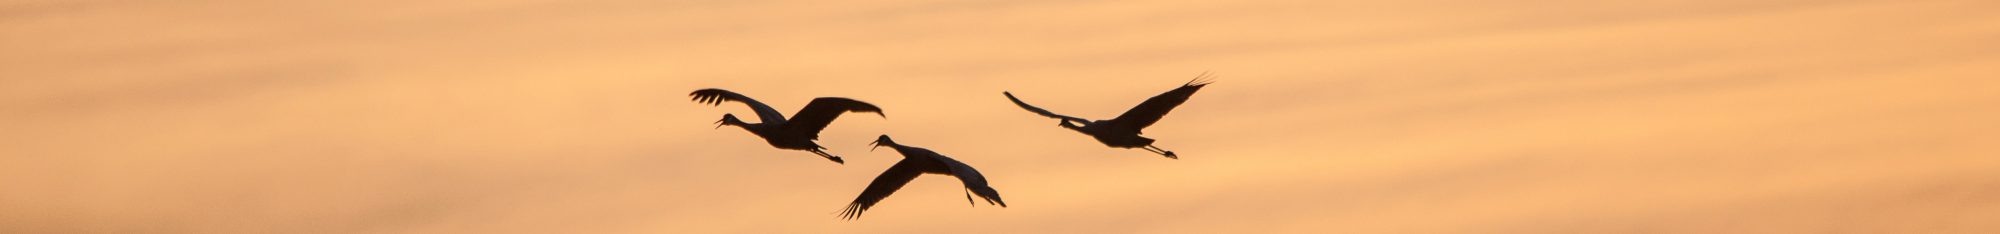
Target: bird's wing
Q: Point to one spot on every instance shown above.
(822, 111)
(973, 180)
(1039, 110)
(886, 184)
(717, 96)
(1150, 111)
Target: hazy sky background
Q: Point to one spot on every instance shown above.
(1425, 116)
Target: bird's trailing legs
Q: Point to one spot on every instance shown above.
(1162, 152)
(989, 201)
(836, 159)
(1072, 123)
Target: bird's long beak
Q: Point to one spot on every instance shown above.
(718, 124)
(877, 144)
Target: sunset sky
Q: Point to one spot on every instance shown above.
(1422, 116)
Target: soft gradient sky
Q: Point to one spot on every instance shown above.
(1424, 116)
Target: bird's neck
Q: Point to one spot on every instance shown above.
(906, 151)
(753, 128)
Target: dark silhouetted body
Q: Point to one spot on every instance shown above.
(918, 161)
(1123, 132)
(797, 133)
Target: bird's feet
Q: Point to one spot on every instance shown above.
(1162, 152)
(836, 159)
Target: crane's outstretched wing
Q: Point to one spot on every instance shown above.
(885, 184)
(717, 96)
(822, 111)
(1150, 111)
(973, 181)
(1039, 110)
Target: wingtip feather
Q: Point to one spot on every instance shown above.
(853, 211)
(1204, 79)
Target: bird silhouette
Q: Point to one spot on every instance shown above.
(797, 133)
(1123, 132)
(918, 161)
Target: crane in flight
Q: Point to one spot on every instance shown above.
(918, 161)
(797, 133)
(1123, 132)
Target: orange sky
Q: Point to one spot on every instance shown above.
(1427, 116)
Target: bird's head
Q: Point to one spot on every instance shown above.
(729, 120)
(880, 141)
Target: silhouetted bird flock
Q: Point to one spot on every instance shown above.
(802, 129)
